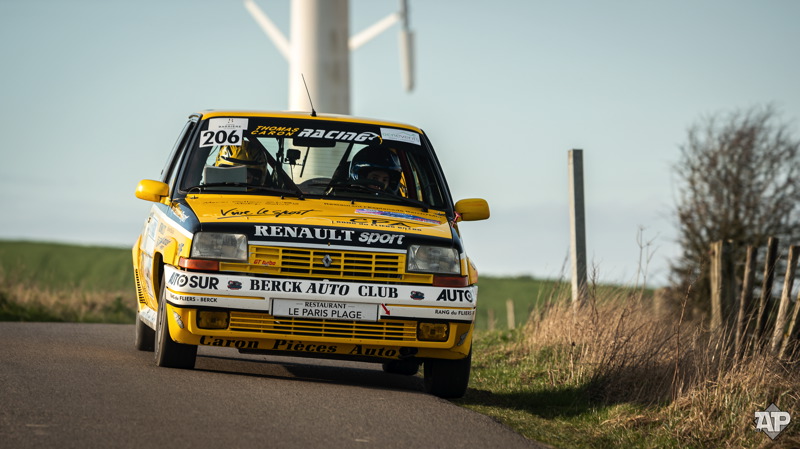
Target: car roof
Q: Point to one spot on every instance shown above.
(210, 113)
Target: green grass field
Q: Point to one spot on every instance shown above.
(59, 266)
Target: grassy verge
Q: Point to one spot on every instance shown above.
(615, 375)
(57, 282)
(31, 303)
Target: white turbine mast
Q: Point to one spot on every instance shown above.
(320, 46)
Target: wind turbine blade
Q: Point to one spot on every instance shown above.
(366, 35)
(269, 28)
(407, 58)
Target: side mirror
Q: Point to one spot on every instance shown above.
(473, 209)
(150, 190)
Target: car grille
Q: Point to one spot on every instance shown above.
(383, 331)
(345, 265)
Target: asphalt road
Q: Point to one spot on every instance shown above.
(84, 386)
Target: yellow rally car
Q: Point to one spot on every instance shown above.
(307, 235)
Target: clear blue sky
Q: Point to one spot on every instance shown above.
(94, 93)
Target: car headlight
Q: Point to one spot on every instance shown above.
(217, 245)
(433, 259)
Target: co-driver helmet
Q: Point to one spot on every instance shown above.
(243, 155)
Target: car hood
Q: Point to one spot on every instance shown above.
(273, 217)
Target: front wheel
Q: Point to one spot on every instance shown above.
(447, 378)
(170, 353)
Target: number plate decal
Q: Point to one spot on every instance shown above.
(223, 131)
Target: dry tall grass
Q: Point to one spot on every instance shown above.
(621, 352)
(26, 302)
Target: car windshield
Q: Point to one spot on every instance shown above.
(314, 159)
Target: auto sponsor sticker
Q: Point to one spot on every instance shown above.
(328, 236)
(223, 131)
(390, 352)
(400, 135)
(319, 299)
(401, 215)
(265, 130)
(333, 134)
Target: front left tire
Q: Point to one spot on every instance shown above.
(447, 379)
(170, 353)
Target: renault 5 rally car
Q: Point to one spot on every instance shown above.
(307, 235)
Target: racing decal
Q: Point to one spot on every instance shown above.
(455, 294)
(315, 288)
(188, 282)
(379, 223)
(181, 299)
(281, 233)
(400, 135)
(400, 215)
(377, 291)
(350, 300)
(223, 131)
(347, 136)
(165, 219)
(148, 315)
(329, 310)
(357, 350)
(264, 130)
(466, 315)
(228, 342)
(236, 212)
(179, 213)
(150, 238)
(461, 313)
(190, 299)
(303, 346)
(290, 345)
(178, 279)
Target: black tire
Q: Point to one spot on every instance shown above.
(404, 367)
(447, 379)
(145, 339)
(168, 352)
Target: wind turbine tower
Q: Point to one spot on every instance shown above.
(320, 47)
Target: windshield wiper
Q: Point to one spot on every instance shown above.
(203, 187)
(366, 189)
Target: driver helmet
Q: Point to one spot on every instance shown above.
(376, 158)
(243, 155)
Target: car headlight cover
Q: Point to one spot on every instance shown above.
(218, 245)
(433, 259)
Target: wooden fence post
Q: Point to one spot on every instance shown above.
(783, 307)
(510, 313)
(746, 298)
(490, 313)
(722, 281)
(770, 260)
(792, 332)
